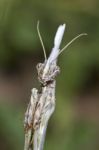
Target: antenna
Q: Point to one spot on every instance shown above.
(78, 36)
(41, 41)
(67, 45)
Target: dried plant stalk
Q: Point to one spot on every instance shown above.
(42, 103)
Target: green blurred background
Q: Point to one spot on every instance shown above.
(75, 123)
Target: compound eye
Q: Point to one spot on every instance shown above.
(39, 65)
(40, 68)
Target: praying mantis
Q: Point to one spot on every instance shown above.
(42, 103)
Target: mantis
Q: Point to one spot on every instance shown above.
(42, 102)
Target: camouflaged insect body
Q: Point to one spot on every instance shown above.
(42, 103)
